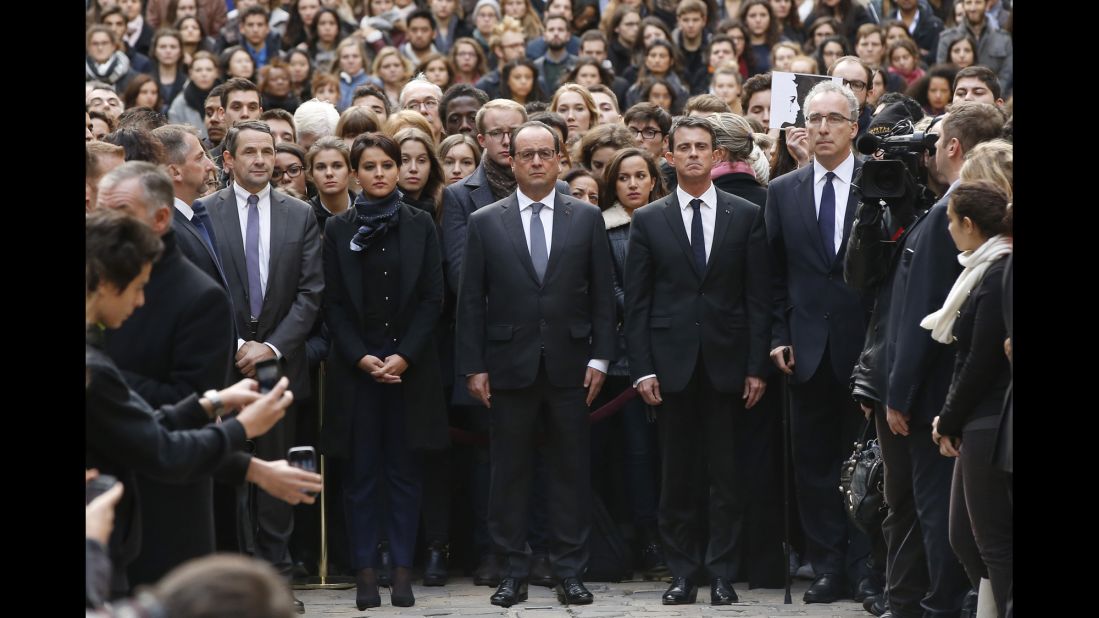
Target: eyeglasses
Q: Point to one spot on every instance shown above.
(855, 84)
(293, 171)
(647, 133)
(498, 134)
(428, 104)
(527, 156)
(833, 119)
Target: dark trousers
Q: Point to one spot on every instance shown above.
(436, 495)
(824, 423)
(923, 576)
(272, 520)
(563, 444)
(696, 437)
(380, 456)
(631, 428)
(981, 517)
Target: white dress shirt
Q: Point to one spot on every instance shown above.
(546, 217)
(133, 31)
(708, 212)
(841, 184)
(184, 208)
(264, 207)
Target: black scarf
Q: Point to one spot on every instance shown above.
(375, 217)
(500, 179)
(195, 98)
(117, 68)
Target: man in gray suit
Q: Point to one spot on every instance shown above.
(270, 250)
(536, 331)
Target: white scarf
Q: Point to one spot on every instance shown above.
(941, 322)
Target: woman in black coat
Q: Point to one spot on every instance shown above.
(735, 174)
(383, 296)
(125, 436)
(981, 520)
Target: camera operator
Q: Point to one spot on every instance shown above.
(917, 372)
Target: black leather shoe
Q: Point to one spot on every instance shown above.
(511, 591)
(875, 604)
(868, 587)
(488, 572)
(366, 589)
(385, 565)
(571, 591)
(435, 570)
(681, 592)
(969, 605)
(299, 607)
(541, 573)
(826, 588)
(722, 593)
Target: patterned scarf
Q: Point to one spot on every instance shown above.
(500, 179)
(117, 67)
(375, 217)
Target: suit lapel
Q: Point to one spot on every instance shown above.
(849, 214)
(674, 218)
(480, 191)
(562, 223)
(280, 211)
(807, 206)
(513, 224)
(411, 254)
(721, 226)
(229, 237)
(187, 227)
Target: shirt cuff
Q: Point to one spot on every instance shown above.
(278, 355)
(240, 344)
(599, 364)
(642, 379)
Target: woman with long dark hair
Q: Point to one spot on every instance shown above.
(849, 13)
(469, 60)
(383, 297)
(421, 180)
(661, 60)
(622, 30)
(193, 38)
(519, 82)
(763, 32)
(299, 25)
(166, 52)
(142, 91)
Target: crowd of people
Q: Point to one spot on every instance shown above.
(458, 228)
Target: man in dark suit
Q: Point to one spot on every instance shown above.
(270, 251)
(924, 575)
(697, 325)
(535, 335)
(818, 331)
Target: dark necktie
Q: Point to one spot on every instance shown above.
(205, 227)
(538, 253)
(826, 221)
(251, 256)
(698, 239)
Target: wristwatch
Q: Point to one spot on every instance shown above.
(215, 400)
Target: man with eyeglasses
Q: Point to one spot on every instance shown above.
(859, 78)
(422, 96)
(820, 323)
(649, 125)
(535, 334)
(507, 43)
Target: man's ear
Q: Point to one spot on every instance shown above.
(174, 172)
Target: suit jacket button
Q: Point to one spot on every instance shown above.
(698, 323)
(827, 315)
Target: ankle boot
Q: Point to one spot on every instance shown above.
(366, 589)
(402, 588)
(435, 569)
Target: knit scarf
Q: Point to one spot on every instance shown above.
(117, 68)
(739, 167)
(500, 179)
(975, 263)
(375, 217)
(195, 98)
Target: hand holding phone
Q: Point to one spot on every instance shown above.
(268, 374)
(305, 458)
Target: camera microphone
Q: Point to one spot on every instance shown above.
(868, 144)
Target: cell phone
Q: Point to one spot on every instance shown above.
(304, 457)
(97, 487)
(268, 374)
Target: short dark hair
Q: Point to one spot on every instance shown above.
(116, 248)
(719, 38)
(645, 111)
(374, 140)
(554, 120)
(983, 73)
(291, 148)
(421, 14)
(754, 84)
(461, 90)
(255, 9)
(984, 202)
(370, 90)
(215, 92)
(912, 106)
(593, 35)
(139, 144)
(280, 114)
(691, 122)
(604, 89)
(142, 118)
(546, 21)
(232, 134)
(533, 107)
(536, 125)
(237, 84)
(971, 123)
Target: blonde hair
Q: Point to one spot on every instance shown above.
(585, 95)
(386, 52)
(404, 119)
(507, 24)
(993, 161)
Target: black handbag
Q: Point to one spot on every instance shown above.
(862, 484)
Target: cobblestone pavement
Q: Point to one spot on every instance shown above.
(634, 598)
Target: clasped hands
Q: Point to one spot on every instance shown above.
(386, 371)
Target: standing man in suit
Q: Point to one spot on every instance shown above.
(270, 248)
(924, 575)
(697, 324)
(536, 333)
(819, 327)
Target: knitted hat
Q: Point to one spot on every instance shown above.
(493, 3)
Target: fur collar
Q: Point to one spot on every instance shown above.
(615, 216)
